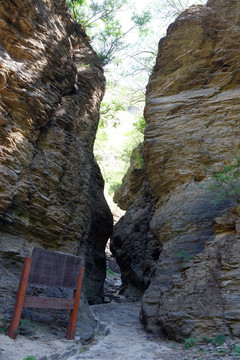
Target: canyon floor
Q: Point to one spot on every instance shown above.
(119, 336)
(127, 340)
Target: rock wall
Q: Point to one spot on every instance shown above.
(204, 297)
(134, 246)
(192, 114)
(51, 85)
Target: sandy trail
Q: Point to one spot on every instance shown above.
(119, 336)
(126, 339)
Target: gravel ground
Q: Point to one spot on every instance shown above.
(120, 336)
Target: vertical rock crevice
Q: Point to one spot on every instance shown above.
(134, 246)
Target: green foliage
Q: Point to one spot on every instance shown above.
(236, 349)
(131, 57)
(113, 186)
(30, 358)
(190, 342)
(3, 330)
(138, 157)
(172, 8)
(3, 326)
(98, 333)
(140, 161)
(184, 258)
(120, 130)
(226, 184)
(109, 40)
(109, 112)
(100, 21)
(24, 323)
(126, 154)
(141, 21)
(140, 124)
(110, 272)
(218, 340)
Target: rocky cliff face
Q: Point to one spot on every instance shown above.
(51, 85)
(204, 297)
(192, 114)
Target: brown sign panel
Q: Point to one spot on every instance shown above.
(50, 268)
(48, 303)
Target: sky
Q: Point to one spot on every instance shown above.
(139, 6)
(112, 148)
(159, 23)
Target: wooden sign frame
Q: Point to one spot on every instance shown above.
(48, 268)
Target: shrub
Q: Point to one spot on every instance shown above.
(190, 342)
(183, 257)
(225, 185)
(218, 340)
(237, 349)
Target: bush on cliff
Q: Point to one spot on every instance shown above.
(225, 185)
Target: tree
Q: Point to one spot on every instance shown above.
(127, 52)
(137, 57)
(120, 130)
(101, 21)
(170, 9)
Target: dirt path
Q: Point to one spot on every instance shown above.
(123, 338)
(126, 339)
(119, 336)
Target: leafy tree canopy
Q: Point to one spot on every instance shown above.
(100, 19)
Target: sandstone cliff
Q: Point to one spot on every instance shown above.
(51, 85)
(192, 114)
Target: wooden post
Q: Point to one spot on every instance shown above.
(73, 316)
(22, 287)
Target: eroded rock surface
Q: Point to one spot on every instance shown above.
(192, 114)
(204, 298)
(51, 85)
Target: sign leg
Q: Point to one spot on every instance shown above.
(22, 287)
(73, 316)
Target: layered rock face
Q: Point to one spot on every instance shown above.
(51, 85)
(204, 297)
(192, 114)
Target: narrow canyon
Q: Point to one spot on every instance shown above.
(177, 249)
